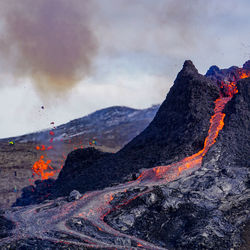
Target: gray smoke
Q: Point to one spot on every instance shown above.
(49, 41)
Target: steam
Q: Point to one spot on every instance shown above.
(53, 42)
(49, 41)
(169, 27)
(184, 17)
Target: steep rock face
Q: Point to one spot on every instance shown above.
(246, 65)
(208, 209)
(79, 161)
(181, 124)
(178, 130)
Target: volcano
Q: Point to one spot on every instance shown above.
(183, 183)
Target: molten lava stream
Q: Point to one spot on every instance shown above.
(96, 209)
(171, 172)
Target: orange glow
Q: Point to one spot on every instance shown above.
(41, 166)
(172, 171)
(230, 89)
(111, 198)
(244, 74)
(51, 133)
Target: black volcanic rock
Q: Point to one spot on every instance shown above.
(231, 74)
(40, 244)
(246, 65)
(5, 227)
(218, 75)
(208, 209)
(33, 194)
(213, 70)
(108, 129)
(78, 160)
(178, 129)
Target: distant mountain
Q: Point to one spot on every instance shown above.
(112, 127)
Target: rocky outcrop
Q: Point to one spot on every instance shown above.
(246, 65)
(74, 195)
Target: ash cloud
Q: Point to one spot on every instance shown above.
(163, 26)
(183, 16)
(49, 41)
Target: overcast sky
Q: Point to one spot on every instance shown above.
(75, 57)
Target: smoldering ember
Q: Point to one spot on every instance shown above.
(181, 183)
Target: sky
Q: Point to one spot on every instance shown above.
(75, 57)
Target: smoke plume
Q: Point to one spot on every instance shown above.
(49, 41)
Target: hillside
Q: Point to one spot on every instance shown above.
(109, 128)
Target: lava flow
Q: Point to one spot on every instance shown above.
(91, 209)
(40, 168)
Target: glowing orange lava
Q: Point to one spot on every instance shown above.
(244, 74)
(41, 166)
(172, 171)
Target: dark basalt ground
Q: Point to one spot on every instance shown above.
(5, 227)
(41, 244)
(208, 209)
